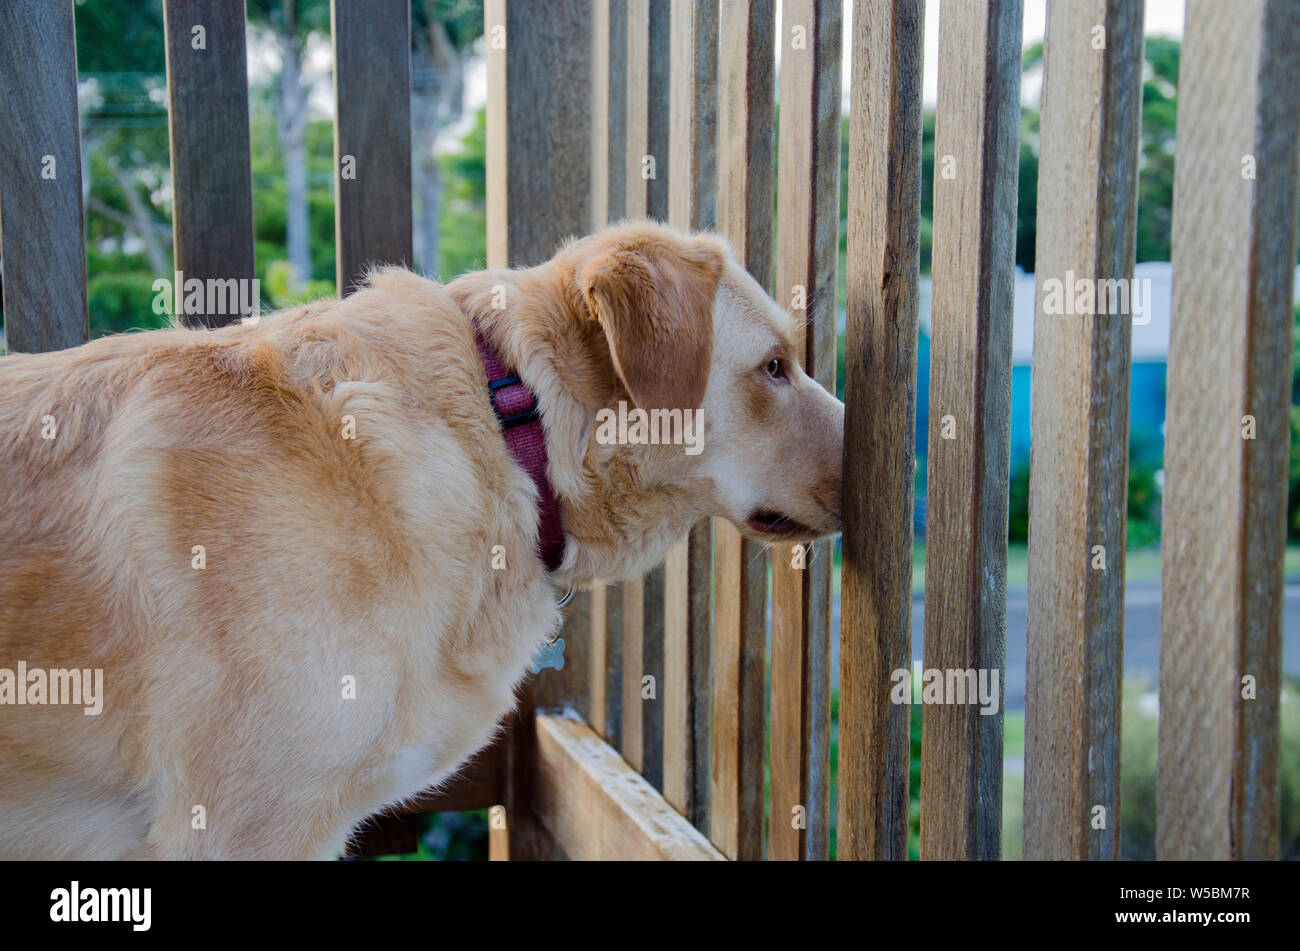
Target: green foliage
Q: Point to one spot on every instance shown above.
(115, 303)
(1144, 500)
(914, 783)
(1018, 508)
(1156, 167)
(1155, 164)
(276, 286)
(1140, 728)
(463, 226)
(269, 200)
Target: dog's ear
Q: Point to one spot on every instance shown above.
(653, 296)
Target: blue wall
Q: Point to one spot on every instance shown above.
(1146, 406)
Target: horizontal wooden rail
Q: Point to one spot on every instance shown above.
(598, 808)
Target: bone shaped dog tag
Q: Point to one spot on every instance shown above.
(552, 655)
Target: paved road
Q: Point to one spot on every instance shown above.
(1141, 636)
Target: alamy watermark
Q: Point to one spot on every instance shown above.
(58, 686)
(226, 296)
(639, 427)
(946, 685)
(1085, 296)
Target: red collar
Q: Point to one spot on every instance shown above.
(521, 424)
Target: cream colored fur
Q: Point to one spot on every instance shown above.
(369, 558)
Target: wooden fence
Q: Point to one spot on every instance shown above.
(600, 109)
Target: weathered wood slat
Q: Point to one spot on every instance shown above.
(609, 111)
(746, 181)
(648, 57)
(613, 667)
(977, 157)
(643, 656)
(42, 227)
(608, 199)
(692, 188)
(807, 244)
(538, 193)
(598, 664)
(597, 808)
(207, 117)
(568, 687)
(880, 426)
(647, 122)
(372, 136)
(1234, 252)
(1078, 483)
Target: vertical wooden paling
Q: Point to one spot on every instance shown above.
(372, 136)
(42, 228)
(1078, 483)
(807, 245)
(372, 225)
(207, 117)
(746, 180)
(692, 183)
(647, 120)
(879, 426)
(1234, 252)
(608, 199)
(538, 193)
(977, 162)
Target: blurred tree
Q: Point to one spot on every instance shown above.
(292, 26)
(1155, 164)
(442, 37)
(123, 102)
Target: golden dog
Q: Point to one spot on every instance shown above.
(304, 559)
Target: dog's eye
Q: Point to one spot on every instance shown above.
(776, 368)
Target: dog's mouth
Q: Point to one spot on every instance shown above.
(774, 524)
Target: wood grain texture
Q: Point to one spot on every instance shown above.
(632, 735)
(372, 136)
(42, 224)
(1234, 251)
(879, 426)
(687, 608)
(608, 199)
(568, 687)
(1078, 482)
(207, 118)
(746, 182)
(538, 193)
(539, 133)
(647, 122)
(598, 663)
(978, 125)
(614, 667)
(692, 189)
(641, 738)
(599, 809)
(807, 244)
(648, 57)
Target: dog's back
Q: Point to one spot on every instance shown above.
(229, 523)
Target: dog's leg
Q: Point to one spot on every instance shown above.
(244, 830)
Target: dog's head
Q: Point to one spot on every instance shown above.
(694, 340)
